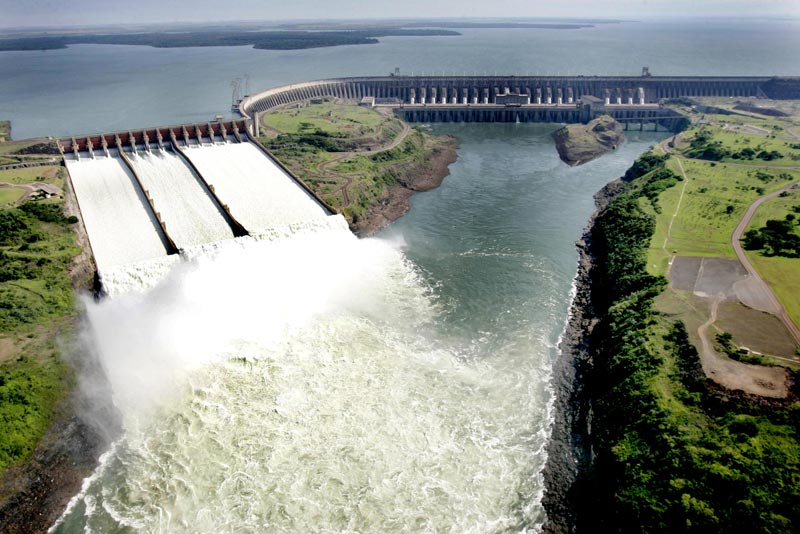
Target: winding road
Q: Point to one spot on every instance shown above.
(761, 285)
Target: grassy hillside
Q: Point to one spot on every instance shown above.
(349, 155)
(674, 453)
(37, 245)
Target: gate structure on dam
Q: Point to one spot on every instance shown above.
(146, 195)
(524, 98)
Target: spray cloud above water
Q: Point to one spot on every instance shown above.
(275, 385)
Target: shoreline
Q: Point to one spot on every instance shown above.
(394, 203)
(569, 450)
(34, 494)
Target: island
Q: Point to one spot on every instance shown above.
(579, 143)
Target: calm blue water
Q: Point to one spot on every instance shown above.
(434, 413)
(91, 88)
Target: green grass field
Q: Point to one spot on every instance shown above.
(51, 174)
(337, 120)
(13, 146)
(782, 273)
(703, 224)
(10, 194)
(778, 139)
(37, 312)
(338, 150)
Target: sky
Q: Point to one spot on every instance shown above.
(57, 13)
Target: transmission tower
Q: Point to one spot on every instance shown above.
(236, 93)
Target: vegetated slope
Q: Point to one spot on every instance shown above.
(673, 452)
(361, 162)
(36, 249)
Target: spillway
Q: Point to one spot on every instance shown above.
(188, 210)
(108, 193)
(259, 194)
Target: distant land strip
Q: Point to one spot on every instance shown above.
(285, 37)
(265, 40)
(456, 25)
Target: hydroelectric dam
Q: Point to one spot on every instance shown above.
(318, 381)
(170, 190)
(629, 99)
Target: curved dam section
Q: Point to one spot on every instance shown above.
(563, 92)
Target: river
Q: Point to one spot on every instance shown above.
(319, 382)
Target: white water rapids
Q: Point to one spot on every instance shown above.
(302, 384)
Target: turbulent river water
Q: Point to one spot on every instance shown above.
(317, 382)
(313, 382)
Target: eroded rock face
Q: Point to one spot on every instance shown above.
(579, 143)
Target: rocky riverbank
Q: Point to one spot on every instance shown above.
(569, 452)
(34, 495)
(412, 178)
(579, 143)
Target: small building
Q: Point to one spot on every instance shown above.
(511, 99)
(368, 102)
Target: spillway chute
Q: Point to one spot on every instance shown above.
(121, 226)
(181, 189)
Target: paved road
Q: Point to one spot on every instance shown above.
(763, 287)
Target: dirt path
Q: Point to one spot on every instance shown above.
(755, 379)
(345, 155)
(758, 283)
(677, 208)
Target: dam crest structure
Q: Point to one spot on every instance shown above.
(169, 190)
(569, 99)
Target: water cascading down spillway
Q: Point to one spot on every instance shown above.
(141, 205)
(297, 379)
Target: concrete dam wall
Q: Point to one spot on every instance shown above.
(150, 194)
(522, 98)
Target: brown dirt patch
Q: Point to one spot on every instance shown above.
(8, 349)
(756, 330)
(700, 288)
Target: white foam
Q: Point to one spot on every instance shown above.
(189, 213)
(121, 228)
(259, 194)
(270, 386)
